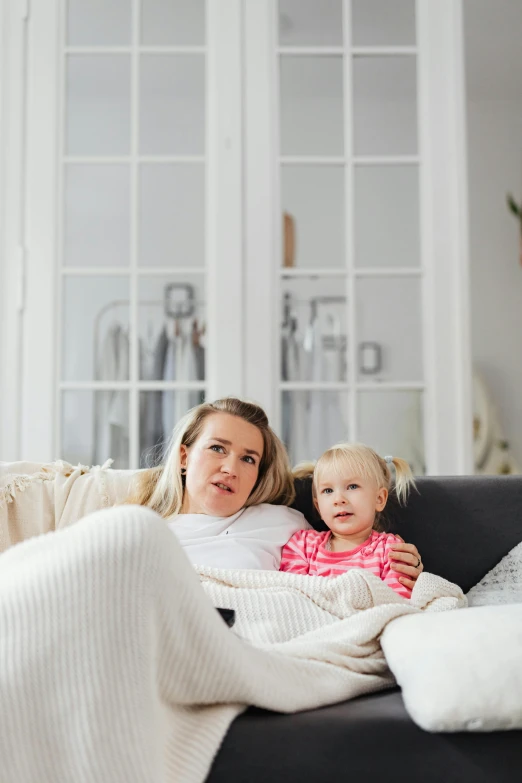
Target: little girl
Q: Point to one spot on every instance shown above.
(350, 487)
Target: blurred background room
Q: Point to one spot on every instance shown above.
(314, 204)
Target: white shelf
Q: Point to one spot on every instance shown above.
(368, 386)
(382, 51)
(126, 271)
(314, 51)
(312, 160)
(391, 271)
(356, 160)
(376, 386)
(130, 385)
(97, 159)
(139, 49)
(354, 51)
(298, 273)
(386, 160)
(374, 271)
(314, 386)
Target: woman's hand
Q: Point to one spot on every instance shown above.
(407, 560)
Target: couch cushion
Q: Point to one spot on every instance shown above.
(369, 739)
(462, 526)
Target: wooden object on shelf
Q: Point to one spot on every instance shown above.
(288, 240)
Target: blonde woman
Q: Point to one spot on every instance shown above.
(225, 489)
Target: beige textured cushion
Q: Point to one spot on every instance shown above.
(459, 671)
(37, 498)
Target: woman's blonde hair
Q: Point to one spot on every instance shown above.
(361, 460)
(161, 488)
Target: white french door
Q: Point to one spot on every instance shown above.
(133, 198)
(285, 178)
(355, 171)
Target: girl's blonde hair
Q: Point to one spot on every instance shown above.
(360, 460)
(161, 488)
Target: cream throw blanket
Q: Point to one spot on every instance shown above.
(37, 497)
(115, 667)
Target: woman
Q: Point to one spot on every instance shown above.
(225, 488)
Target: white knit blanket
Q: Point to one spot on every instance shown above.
(115, 667)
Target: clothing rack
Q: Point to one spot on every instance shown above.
(175, 307)
(370, 358)
(314, 301)
(111, 410)
(290, 320)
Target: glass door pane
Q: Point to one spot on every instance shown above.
(383, 22)
(386, 216)
(172, 328)
(389, 323)
(95, 342)
(97, 104)
(385, 105)
(326, 423)
(313, 206)
(310, 23)
(391, 422)
(98, 23)
(311, 106)
(172, 104)
(95, 427)
(172, 215)
(314, 330)
(96, 206)
(173, 23)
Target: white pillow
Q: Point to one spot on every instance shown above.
(459, 671)
(503, 584)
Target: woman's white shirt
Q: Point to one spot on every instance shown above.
(251, 538)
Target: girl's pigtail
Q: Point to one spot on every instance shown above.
(404, 480)
(303, 470)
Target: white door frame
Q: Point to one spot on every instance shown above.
(37, 394)
(13, 64)
(444, 233)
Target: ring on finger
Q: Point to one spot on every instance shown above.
(418, 563)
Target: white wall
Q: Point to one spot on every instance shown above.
(495, 168)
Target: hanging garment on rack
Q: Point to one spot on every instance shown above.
(314, 373)
(151, 424)
(169, 408)
(326, 424)
(297, 362)
(293, 411)
(188, 371)
(412, 448)
(111, 408)
(286, 404)
(198, 362)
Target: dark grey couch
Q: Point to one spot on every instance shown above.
(462, 527)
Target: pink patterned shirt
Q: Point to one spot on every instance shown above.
(305, 553)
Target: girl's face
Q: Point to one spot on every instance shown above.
(348, 504)
(222, 466)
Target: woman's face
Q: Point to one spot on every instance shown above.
(222, 466)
